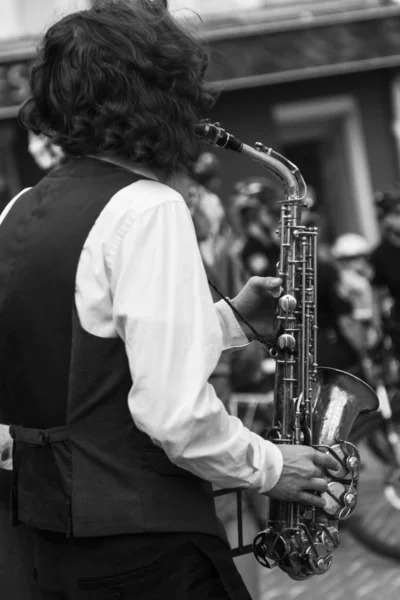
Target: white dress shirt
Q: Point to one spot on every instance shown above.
(140, 276)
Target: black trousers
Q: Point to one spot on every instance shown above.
(136, 567)
(16, 550)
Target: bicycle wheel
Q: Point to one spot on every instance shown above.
(376, 520)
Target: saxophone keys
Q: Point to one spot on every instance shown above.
(353, 463)
(329, 537)
(319, 559)
(334, 498)
(287, 303)
(269, 548)
(286, 342)
(350, 500)
(342, 456)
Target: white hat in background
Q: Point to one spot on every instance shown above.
(350, 245)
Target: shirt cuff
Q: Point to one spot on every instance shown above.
(233, 335)
(6, 443)
(268, 464)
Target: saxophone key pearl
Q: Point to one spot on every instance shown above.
(287, 303)
(352, 463)
(286, 342)
(350, 500)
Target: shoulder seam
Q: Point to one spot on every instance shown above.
(126, 225)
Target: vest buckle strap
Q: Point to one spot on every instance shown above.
(38, 437)
(43, 437)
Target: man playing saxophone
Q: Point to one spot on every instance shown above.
(109, 333)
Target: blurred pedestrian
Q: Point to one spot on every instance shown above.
(257, 209)
(386, 259)
(352, 254)
(258, 204)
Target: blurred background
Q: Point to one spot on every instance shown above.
(319, 81)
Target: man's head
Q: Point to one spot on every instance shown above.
(256, 200)
(352, 252)
(123, 78)
(206, 171)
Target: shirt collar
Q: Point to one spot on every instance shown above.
(129, 165)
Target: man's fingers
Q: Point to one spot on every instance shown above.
(317, 484)
(318, 472)
(310, 499)
(269, 283)
(275, 293)
(326, 461)
(272, 282)
(273, 285)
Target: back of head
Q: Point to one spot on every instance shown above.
(122, 78)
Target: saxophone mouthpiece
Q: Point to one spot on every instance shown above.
(217, 136)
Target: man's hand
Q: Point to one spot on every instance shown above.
(256, 303)
(303, 473)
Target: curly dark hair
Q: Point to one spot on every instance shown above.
(122, 78)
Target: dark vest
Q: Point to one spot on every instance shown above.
(81, 466)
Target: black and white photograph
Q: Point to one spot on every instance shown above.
(200, 299)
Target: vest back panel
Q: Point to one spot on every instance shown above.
(81, 466)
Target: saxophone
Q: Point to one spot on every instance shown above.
(312, 405)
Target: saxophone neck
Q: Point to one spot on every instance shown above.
(288, 174)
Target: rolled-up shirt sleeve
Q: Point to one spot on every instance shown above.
(174, 336)
(233, 335)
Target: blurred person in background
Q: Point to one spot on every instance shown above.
(46, 154)
(258, 207)
(205, 203)
(109, 332)
(352, 253)
(251, 206)
(385, 260)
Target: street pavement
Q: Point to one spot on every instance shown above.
(356, 573)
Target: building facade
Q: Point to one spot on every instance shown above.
(318, 80)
